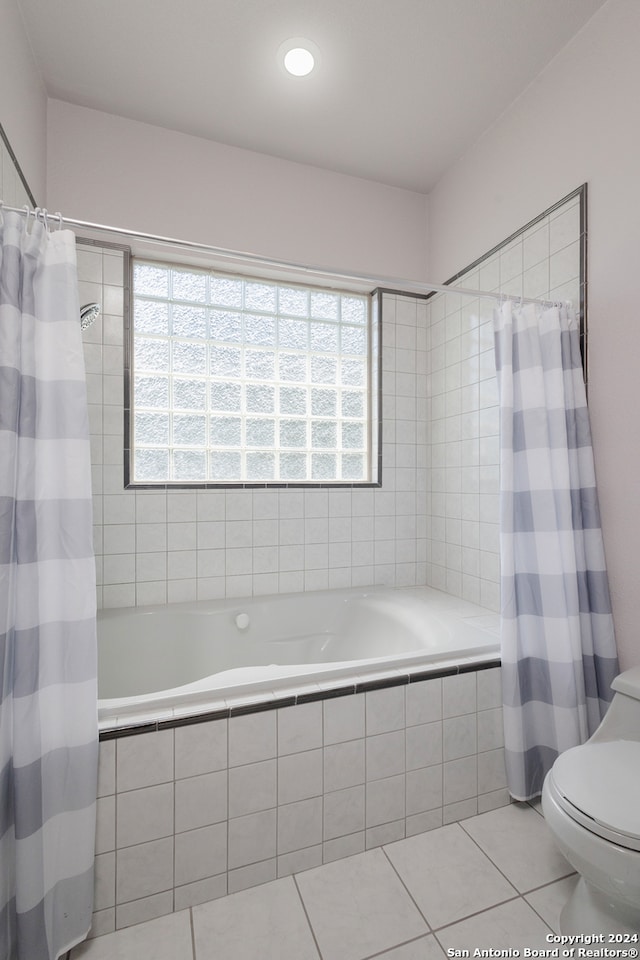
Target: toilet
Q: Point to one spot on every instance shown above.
(591, 802)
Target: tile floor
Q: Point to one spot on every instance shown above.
(492, 881)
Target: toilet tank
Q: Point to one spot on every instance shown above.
(622, 719)
(628, 683)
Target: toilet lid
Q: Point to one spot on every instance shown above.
(600, 784)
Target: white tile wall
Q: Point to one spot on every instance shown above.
(187, 815)
(170, 546)
(462, 446)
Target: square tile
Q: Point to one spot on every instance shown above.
(252, 787)
(144, 760)
(459, 695)
(460, 880)
(489, 688)
(252, 838)
(299, 825)
(424, 789)
(343, 718)
(144, 869)
(460, 737)
(344, 812)
(460, 779)
(252, 738)
(358, 906)
(300, 776)
(424, 745)
(492, 774)
(518, 841)
(200, 748)
(385, 755)
(299, 728)
(166, 938)
(200, 801)
(385, 710)
(385, 800)
(490, 730)
(145, 814)
(200, 853)
(268, 922)
(344, 765)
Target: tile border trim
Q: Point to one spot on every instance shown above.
(296, 700)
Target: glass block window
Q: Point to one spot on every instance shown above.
(238, 380)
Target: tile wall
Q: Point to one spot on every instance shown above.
(462, 410)
(192, 813)
(170, 546)
(435, 518)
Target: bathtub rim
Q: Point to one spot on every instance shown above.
(117, 716)
(126, 726)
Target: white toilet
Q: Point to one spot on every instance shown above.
(591, 802)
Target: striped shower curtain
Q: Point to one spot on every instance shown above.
(558, 646)
(48, 723)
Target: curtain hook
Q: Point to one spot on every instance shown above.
(45, 218)
(59, 216)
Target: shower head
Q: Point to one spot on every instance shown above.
(88, 314)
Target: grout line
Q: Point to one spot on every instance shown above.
(542, 887)
(522, 895)
(410, 895)
(193, 933)
(304, 907)
(477, 913)
(484, 852)
(389, 950)
(549, 883)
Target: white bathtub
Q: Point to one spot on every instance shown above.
(168, 661)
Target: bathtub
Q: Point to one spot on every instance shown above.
(169, 661)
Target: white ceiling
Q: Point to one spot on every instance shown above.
(403, 87)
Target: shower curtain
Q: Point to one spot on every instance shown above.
(558, 646)
(48, 722)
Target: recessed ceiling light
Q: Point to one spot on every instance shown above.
(298, 56)
(299, 61)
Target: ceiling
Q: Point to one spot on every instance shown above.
(401, 90)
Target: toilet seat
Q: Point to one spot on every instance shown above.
(598, 786)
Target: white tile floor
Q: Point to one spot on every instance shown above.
(492, 881)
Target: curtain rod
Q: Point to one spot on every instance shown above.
(393, 283)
